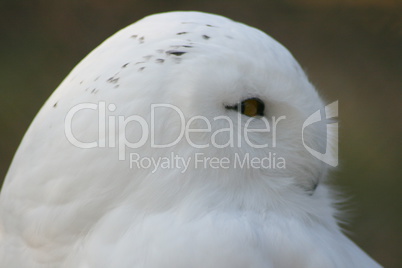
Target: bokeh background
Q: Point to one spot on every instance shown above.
(351, 50)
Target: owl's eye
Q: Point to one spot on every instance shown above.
(250, 107)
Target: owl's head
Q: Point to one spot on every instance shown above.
(186, 98)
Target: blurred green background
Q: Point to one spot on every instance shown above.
(351, 50)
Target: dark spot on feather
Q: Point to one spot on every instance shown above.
(139, 62)
(55, 104)
(134, 36)
(141, 69)
(116, 86)
(93, 90)
(206, 37)
(96, 79)
(141, 39)
(175, 52)
(209, 25)
(113, 80)
(81, 82)
(181, 33)
(125, 65)
(159, 60)
(228, 36)
(187, 46)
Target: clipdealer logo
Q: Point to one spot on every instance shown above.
(108, 126)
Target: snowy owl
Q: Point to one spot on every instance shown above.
(178, 142)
